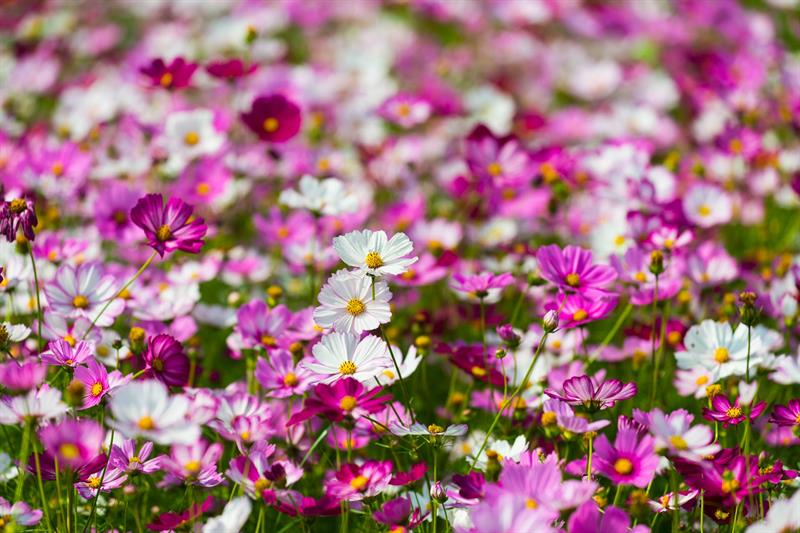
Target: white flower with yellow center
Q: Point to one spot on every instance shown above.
(349, 303)
(718, 348)
(371, 252)
(190, 134)
(327, 197)
(707, 205)
(341, 355)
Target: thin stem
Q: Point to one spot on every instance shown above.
(589, 459)
(399, 374)
(119, 293)
(613, 331)
(45, 507)
(483, 327)
(653, 349)
(518, 305)
(23, 459)
(510, 400)
(102, 478)
(38, 298)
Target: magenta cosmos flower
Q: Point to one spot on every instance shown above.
(578, 309)
(230, 69)
(355, 482)
(788, 415)
(482, 286)
(97, 382)
(16, 214)
(176, 74)
(166, 361)
(630, 461)
(171, 227)
(501, 161)
(74, 443)
(273, 118)
(572, 270)
(722, 410)
(583, 390)
(61, 353)
(345, 398)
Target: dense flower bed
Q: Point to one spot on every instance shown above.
(435, 265)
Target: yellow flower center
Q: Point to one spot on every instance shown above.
(530, 503)
(348, 403)
(668, 244)
(730, 485)
(146, 423)
(359, 482)
(192, 466)
(623, 466)
(94, 482)
(271, 124)
(348, 368)
(164, 233)
(702, 380)
(134, 459)
(494, 169)
(80, 302)
(733, 412)
(97, 389)
(403, 109)
(191, 138)
(721, 355)
(17, 206)
(268, 340)
(640, 277)
(290, 379)
(57, 169)
(678, 442)
(355, 307)
(713, 389)
(373, 260)
(549, 172)
(674, 337)
(573, 280)
(704, 210)
(433, 428)
(244, 435)
(261, 485)
(203, 189)
(166, 79)
(579, 315)
(478, 371)
(549, 418)
(158, 365)
(69, 451)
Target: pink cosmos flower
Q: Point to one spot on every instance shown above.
(484, 285)
(97, 382)
(399, 515)
(578, 309)
(406, 110)
(62, 353)
(171, 227)
(280, 377)
(20, 514)
(722, 410)
(260, 327)
(670, 239)
(592, 394)
(500, 161)
(345, 398)
(74, 443)
(355, 482)
(176, 74)
(80, 291)
(630, 461)
(16, 214)
(23, 375)
(788, 415)
(571, 270)
(166, 361)
(260, 472)
(193, 464)
(588, 519)
(566, 418)
(273, 118)
(102, 480)
(127, 459)
(633, 269)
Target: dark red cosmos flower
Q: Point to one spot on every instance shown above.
(293, 503)
(230, 69)
(169, 227)
(166, 361)
(345, 398)
(16, 214)
(175, 75)
(173, 521)
(273, 118)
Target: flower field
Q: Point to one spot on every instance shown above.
(496, 266)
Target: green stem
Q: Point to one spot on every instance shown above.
(518, 305)
(400, 378)
(102, 478)
(45, 507)
(23, 459)
(653, 357)
(589, 459)
(510, 400)
(610, 336)
(122, 290)
(38, 298)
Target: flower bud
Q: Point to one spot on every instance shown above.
(748, 310)
(509, 336)
(550, 321)
(500, 353)
(422, 342)
(657, 262)
(438, 493)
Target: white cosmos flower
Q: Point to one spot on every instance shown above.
(676, 433)
(715, 346)
(145, 409)
(787, 369)
(783, 515)
(340, 355)
(12, 333)
(233, 517)
(408, 365)
(707, 205)
(190, 134)
(432, 430)
(501, 450)
(44, 404)
(328, 196)
(372, 253)
(348, 304)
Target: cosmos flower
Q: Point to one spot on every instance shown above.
(405, 110)
(62, 353)
(572, 270)
(486, 285)
(177, 74)
(230, 69)
(171, 227)
(81, 291)
(717, 347)
(12, 333)
(351, 303)
(707, 205)
(273, 118)
(260, 472)
(191, 134)
(15, 215)
(260, 326)
(326, 197)
(431, 430)
(722, 410)
(340, 355)
(280, 377)
(585, 391)
(193, 464)
(97, 382)
(577, 309)
(165, 360)
(398, 514)
(23, 375)
(630, 461)
(126, 458)
(355, 482)
(102, 480)
(43, 403)
(559, 412)
(786, 415)
(346, 398)
(372, 254)
(72, 442)
(19, 513)
(145, 409)
(675, 433)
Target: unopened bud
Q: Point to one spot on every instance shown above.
(657, 262)
(274, 291)
(500, 353)
(422, 342)
(509, 336)
(136, 335)
(748, 310)
(550, 321)
(438, 493)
